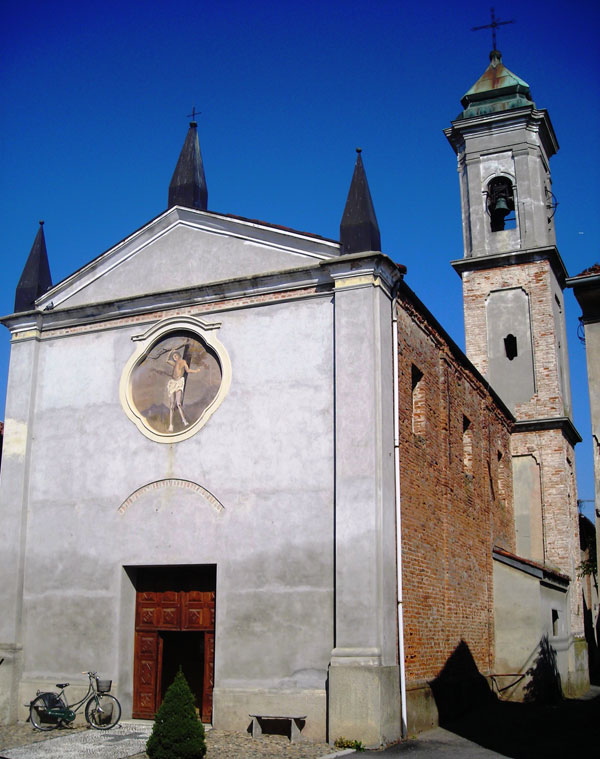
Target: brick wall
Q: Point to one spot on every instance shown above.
(536, 280)
(452, 514)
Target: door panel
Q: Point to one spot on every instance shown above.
(169, 616)
(209, 676)
(198, 610)
(146, 615)
(145, 675)
(196, 619)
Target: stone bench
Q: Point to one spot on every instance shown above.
(293, 723)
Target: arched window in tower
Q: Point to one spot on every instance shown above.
(501, 204)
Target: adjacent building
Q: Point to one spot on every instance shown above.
(586, 287)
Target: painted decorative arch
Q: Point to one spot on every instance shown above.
(151, 487)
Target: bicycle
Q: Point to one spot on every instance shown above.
(48, 710)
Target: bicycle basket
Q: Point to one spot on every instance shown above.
(103, 686)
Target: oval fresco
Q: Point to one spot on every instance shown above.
(175, 382)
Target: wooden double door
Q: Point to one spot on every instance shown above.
(174, 627)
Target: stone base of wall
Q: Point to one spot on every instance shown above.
(578, 680)
(232, 708)
(364, 704)
(11, 657)
(421, 710)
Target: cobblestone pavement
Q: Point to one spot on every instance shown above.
(221, 744)
(22, 734)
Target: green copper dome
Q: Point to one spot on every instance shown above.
(497, 89)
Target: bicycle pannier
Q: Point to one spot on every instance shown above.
(53, 701)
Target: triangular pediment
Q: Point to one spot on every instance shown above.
(185, 248)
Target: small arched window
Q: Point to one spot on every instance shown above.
(500, 203)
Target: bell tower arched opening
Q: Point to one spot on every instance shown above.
(501, 204)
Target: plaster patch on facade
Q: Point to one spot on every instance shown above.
(15, 438)
(360, 280)
(26, 334)
(172, 483)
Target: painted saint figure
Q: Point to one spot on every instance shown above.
(176, 386)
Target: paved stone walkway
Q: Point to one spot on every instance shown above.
(128, 739)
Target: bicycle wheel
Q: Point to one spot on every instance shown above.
(102, 711)
(39, 716)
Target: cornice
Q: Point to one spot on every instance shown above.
(527, 117)
(355, 270)
(586, 289)
(530, 255)
(562, 423)
(361, 269)
(139, 305)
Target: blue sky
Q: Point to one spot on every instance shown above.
(96, 97)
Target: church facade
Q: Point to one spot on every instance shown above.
(254, 452)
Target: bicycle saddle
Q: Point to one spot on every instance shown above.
(62, 685)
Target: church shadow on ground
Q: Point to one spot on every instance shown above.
(544, 725)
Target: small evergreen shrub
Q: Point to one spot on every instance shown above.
(177, 731)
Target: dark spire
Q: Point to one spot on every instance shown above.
(359, 230)
(188, 185)
(35, 279)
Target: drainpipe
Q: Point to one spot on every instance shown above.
(398, 518)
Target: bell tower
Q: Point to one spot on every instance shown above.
(506, 146)
(513, 279)
(513, 276)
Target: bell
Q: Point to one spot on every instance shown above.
(501, 207)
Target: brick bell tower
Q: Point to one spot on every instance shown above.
(513, 279)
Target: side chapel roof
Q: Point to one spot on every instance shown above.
(586, 287)
(591, 271)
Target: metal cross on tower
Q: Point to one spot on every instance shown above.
(493, 26)
(193, 114)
